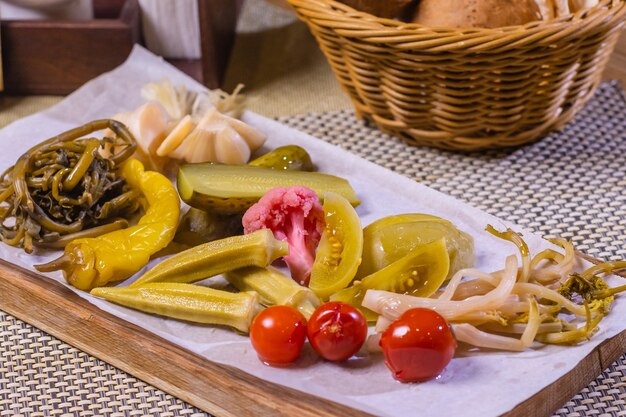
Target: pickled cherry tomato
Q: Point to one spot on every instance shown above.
(418, 345)
(337, 331)
(278, 334)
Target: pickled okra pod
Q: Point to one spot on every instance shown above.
(274, 288)
(187, 302)
(255, 249)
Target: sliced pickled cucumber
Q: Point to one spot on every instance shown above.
(285, 158)
(420, 273)
(389, 239)
(339, 252)
(227, 189)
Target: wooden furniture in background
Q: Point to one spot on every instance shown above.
(56, 57)
(218, 20)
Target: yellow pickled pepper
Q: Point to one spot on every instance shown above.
(93, 262)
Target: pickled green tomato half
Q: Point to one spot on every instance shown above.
(391, 238)
(339, 252)
(373, 253)
(420, 273)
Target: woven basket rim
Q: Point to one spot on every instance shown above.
(349, 22)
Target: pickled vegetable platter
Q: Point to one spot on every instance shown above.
(362, 382)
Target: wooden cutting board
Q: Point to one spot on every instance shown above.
(215, 388)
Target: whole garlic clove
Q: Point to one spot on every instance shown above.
(176, 136)
(231, 148)
(198, 146)
(253, 137)
(149, 124)
(203, 148)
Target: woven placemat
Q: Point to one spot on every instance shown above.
(571, 184)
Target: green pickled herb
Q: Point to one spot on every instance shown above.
(65, 188)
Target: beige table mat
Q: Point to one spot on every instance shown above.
(13, 108)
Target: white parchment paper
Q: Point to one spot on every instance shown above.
(486, 384)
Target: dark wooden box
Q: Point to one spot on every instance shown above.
(56, 57)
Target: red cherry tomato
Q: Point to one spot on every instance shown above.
(418, 345)
(336, 331)
(278, 334)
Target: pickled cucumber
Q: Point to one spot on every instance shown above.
(285, 158)
(226, 189)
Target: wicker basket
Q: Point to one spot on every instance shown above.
(466, 89)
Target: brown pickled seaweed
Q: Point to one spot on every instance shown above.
(64, 188)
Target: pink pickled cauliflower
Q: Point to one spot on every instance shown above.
(294, 215)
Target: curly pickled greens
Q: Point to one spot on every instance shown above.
(488, 309)
(63, 188)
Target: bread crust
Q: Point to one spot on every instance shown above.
(476, 13)
(391, 9)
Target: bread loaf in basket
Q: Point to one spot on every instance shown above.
(466, 89)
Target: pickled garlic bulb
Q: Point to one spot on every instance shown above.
(216, 138)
